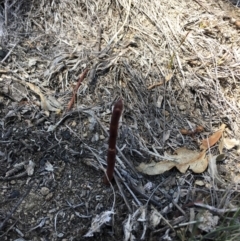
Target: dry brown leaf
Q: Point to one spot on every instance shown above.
(195, 161)
(184, 159)
(213, 139)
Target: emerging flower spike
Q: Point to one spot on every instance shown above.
(111, 156)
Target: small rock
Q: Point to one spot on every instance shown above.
(199, 183)
(232, 20)
(32, 62)
(182, 107)
(95, 137)
(45, 191)
(74, 123)
(237, 23)
(49, 196)
(12, 182)
(166, 113)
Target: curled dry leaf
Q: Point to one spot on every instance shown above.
(184, 132)
(47, 102)
(98, 222)
(230, 143)
(207, 222)
(128, 228)
(155, 218)
(198, 129)
(184, 159)
(30, 168)
(212, 169)
(213, 139)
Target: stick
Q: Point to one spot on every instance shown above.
(70, 104)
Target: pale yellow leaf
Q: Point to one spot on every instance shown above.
(212, 169)
(221, 146)
(48, 103)
(199, 183)
(155, 168)
(34, 88)
(183, 160)
(230, 143)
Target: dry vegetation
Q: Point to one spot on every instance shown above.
(176, 65)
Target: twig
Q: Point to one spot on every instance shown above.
(22, 174)
(151, 200)
(6, 12)
(10, 51)
(172, 200)
(128, 162)
(129, 189)
(10, 228)
(216, 210)
(155, 85)
(70, 104)
(15, 208)
(99, 38)
(173, 223)
(122, 192)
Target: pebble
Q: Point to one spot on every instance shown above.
(232, 20)
(45, 191)
(237, 23)
(12, 182)
(182, 107)
(49, 196)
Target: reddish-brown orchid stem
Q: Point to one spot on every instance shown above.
(71, 102)
(111, 156)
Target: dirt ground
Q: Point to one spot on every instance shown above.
(176, 67)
